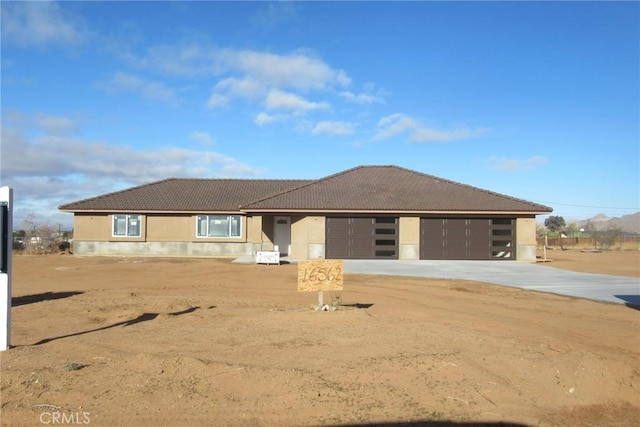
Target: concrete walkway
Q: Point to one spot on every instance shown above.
(530, 276)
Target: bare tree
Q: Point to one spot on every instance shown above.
(38, 235)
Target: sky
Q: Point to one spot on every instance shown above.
(535, 100)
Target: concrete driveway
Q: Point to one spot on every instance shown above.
(530, 276)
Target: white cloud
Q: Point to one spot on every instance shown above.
(275, 15)
(217, 100)
(37, 23)
(58, 156)
(393, 125)
(370, 95)
(299, 71)
(432, 135)
(282, 82)
(278, 79)
(247, 88)
(124, 82)
(333, 128)
(361, 98)
(187, 60)
(203, 138)
(55, 125)
(505, 164)
(278, 99)
(400, 123)
(48, 170)
(264, 119)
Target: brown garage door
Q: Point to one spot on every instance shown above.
(362, 237)
(467, 238)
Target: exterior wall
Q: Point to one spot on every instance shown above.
(409, 237)
(174, 235)
(161, 235)
(254, 231)
(193, 249)
(94, 227)
(526, 239)
(170, 228)
(308, 237)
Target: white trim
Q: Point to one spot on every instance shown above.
(207, 237)
(126, 235)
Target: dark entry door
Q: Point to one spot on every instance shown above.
(362, 237)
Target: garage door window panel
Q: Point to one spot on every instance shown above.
(368, 237)
(467, 238)
(390, 231)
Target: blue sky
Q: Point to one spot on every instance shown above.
(536, 100)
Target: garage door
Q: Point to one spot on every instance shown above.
(362, 237)
(467, 238)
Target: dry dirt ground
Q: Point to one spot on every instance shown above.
(204, 342)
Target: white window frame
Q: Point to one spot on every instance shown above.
(128, 222)
(223, 217)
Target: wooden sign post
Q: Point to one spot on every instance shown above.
(320, 276)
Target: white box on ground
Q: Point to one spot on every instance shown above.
(267, 257)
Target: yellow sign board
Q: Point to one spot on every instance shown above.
(320, 275)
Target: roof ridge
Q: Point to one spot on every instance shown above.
(312, 182)
(316, 181)
(239, 179)
(279, 193)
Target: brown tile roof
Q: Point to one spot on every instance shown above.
(364, 188)
(184, 195)
(389, 189)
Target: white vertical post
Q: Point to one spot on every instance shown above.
(6, 203)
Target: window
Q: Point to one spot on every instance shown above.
(385, 231)
(126, 225)
(218, 226)
(501, 221)
(385, 220)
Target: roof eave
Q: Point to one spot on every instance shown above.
(151, 211)
(387, 212)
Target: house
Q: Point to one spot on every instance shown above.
(366, 212)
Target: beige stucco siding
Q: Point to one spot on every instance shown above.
(253, 229)
(308, 237)
(409, 237)
(91, 227)
(526, 239)
(166, 228)
(155, 228)
(99, 227)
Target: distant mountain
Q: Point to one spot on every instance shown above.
(627, 223)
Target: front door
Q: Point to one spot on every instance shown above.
(282, 234)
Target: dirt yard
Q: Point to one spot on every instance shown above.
(204, 342)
